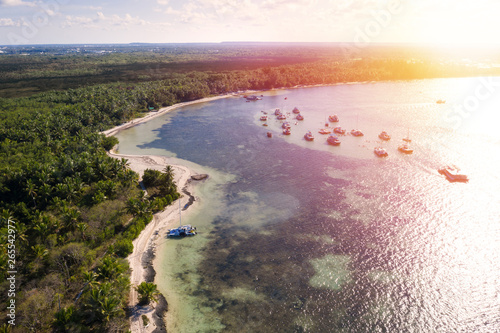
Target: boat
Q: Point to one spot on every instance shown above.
(252, 98)
(384, 136)
(380, 152)
(299, 117)
(269, 134)
(263, 118)
(308, 136)
(281, 117)
(324, 131)
(404, 148)
(452, 174)
(286, 125)
(182, 230)
(339, 130)
(334, 118)
(295, 110)
(287, 131)
(440, 101)
(356, 132)
(333, 140)
(277, 112)
(264, 124)
(407, 139)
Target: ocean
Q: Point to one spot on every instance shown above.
(302, 236)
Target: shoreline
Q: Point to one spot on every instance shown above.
(141, 260)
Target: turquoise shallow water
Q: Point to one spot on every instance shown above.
(299, 236)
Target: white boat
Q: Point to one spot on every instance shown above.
(295, 110)
(287, 131)
(339, 130)
(405, 148)
(356, 132)
(286, 125)
(263, 118)
(384, 136)
(380, 152)
(308, 136)
(324, 131)
(334, 118)
(299, 117)
(452, 174)
(333, 140)
(182, 230)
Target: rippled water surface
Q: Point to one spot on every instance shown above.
(299, 236)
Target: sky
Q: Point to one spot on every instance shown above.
(190, 21)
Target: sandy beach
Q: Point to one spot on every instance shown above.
(141, 259)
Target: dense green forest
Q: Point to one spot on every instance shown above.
(74, 210)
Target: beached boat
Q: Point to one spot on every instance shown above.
(380, 152)
(263, 118)
(324, 131)
(405, 149)
(182, 230)
(384, 136)
(334, 118)
(339, 130)
(299, 117)
(452, 174)
(356, 132)
(287, 131)
(333, 140)
(308, 136)
(295, 110)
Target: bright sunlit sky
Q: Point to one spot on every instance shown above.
(168, 21)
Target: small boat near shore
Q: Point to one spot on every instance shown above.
(356, 132)
(324, 131)
(182, 230)
(384, 136)
(269, 134)
(263, 118)
(452, 174)
(299, 117)
(287, 131)
(339, 130)
(295, 110)
(334, 118)
(405, 149)
(380, 152)
(308, 136)
(333, 140)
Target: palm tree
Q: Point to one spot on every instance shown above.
(71, 217)
(39, 251)
(148, 292)
(82, 227)
(32, 191)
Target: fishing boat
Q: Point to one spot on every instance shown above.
(380, 152)
(281, 117)
(334, 118)
(339, 130)
(263, 118)
(287, 131)
(264, 124)
(452, 174)
(405, 149)
(333, 140)
(295, 110)
(269, 134)
(384, 136)
(299, 117)
(277, 112)
(308, 136)
(182, 230)
(324, 131)
(286, 125)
